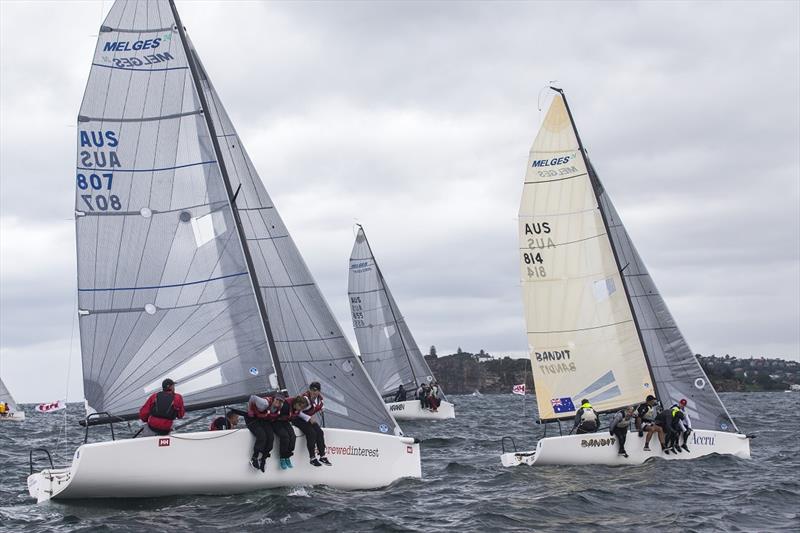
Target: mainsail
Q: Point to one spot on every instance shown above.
(5, 396)
(387, 347)
(185, 268)
(597, 327)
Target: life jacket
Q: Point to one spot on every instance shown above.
(625, 422)
(163, 406)
(287, 412)
(268, 414)
(314, 404)
(649, 414)
(217, 422)
(588, 416)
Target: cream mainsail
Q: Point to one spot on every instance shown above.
(582, 335)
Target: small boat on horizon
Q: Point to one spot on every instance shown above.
(388, 349)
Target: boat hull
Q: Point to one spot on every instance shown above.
(601, 448)
(412, 410)
(218, 463)
(17, 416)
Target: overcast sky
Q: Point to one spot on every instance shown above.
(415, 119)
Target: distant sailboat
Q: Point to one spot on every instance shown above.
(186, 270)
(388, 349)
(14, 413)
(597, 326)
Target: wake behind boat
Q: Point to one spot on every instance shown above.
(598, 329)
(389, 351)
(186, 270)
(9, 410)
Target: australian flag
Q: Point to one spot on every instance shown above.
(562, 405)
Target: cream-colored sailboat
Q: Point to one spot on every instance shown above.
(597, 326)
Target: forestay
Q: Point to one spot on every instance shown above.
(387, 347)
(5, 397)
(581, 333)
(164, 286)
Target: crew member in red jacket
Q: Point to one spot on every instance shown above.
(261, 415)
(307, 422)
(160, 409)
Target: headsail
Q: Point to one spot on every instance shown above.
(5, 396)
(387, 347)
(582, 335)
(164, 282)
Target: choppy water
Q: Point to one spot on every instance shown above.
(464, 488)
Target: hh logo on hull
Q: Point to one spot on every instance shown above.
(163, 442)
(409, 449)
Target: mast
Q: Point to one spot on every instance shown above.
(190, 58)
(391, 308)
(596, 187)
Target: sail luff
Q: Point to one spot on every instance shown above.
(190, 57)
(596, 187)
(382, 281)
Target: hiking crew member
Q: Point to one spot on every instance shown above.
(434, 397)
(674, 428)
(160, 409)
(3, 408)
(646, 422)
(422, 394)
(685, 425)
(308, 405)
(282, 426)
(619, 428)
(260, 414)
(229, 421)
(586, 420)
(401, 395)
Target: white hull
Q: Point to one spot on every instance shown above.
(17, 416)
(412, 410)
(601, 448)
(218, 463)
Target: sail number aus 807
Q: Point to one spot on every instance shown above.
(101, 202)
(98, 182)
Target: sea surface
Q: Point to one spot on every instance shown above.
(464, 488)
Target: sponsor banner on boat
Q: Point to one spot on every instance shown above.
(353, 450)
(51, 407)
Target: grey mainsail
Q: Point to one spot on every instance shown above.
(5, 396)
(387, 347)
(164, 276)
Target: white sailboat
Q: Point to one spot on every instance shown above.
(388, 349)
(12, 413)
(186, 270)
(597, 326)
